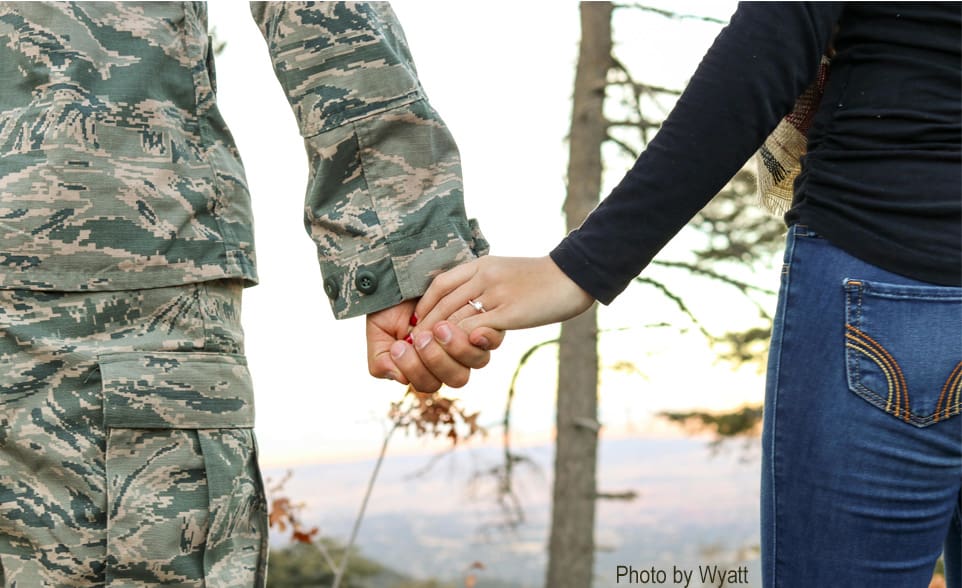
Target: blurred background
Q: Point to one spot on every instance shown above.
(680, 353)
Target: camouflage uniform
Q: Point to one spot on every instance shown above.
(126, 452)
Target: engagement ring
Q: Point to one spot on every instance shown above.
(476, 304)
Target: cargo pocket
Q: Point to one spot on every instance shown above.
(185, 501)
(903, 348)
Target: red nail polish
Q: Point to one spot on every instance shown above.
(409, 339)
(414, 320)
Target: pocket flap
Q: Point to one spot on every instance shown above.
(176, 390)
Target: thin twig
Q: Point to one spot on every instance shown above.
(328, 558)
(658, 89)
(627, 495)
(678, 302)
(624, 146)
(506, 432)
(698, 270)
(638, 87)
(437, 457)
(638, 90)
(360, 515)
(630, 82)
(674, 15)
(633, 124)
(743, 287)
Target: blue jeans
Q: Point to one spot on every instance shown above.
(862, 456)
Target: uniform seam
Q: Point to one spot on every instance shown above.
(205, 138)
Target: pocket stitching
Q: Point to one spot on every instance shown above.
(951, 387)
(854, 301)
(876, 352)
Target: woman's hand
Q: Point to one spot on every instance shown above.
(515, 293)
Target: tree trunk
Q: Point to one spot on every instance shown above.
(571, 545)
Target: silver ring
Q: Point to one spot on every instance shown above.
(476, 304)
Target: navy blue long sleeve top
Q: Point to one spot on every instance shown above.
(882, 179)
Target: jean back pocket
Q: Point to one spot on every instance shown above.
(903, 347)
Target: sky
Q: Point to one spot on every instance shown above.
(501, 76)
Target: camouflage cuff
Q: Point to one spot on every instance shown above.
(402, 271)
(385, 205)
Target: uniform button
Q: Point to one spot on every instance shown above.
(366, 282)
(331, 289)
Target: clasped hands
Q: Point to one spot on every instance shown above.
(451, 336)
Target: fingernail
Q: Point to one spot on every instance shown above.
(444, 333)
(483, 343)
(414, 320)
(409, 339)
(398, 348)
(423, 340)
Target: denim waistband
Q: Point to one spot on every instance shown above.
(800, 230)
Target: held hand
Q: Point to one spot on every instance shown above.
(515, 292)
(384, 328)
(442, 357)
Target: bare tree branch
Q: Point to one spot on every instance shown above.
(635, 90)
(509, 457)
(360, 515)
(639, 86)
(624, 146)
(633, 124)
(326, 555)
(639, 90)
(509, 502)
(673, 15)
(703, 271)
(741, 286)
(649, 89)
(435, 459)
(627, 495)
(678, 302)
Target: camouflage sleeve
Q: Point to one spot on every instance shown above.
(384, 199)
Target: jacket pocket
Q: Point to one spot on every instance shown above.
(185, 499)
(904, 350)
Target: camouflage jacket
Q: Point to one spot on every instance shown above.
(118, 172)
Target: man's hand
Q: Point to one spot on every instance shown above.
(440, 356)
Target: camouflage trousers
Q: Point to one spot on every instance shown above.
(126, 451)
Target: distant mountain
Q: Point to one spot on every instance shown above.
(693, 509)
